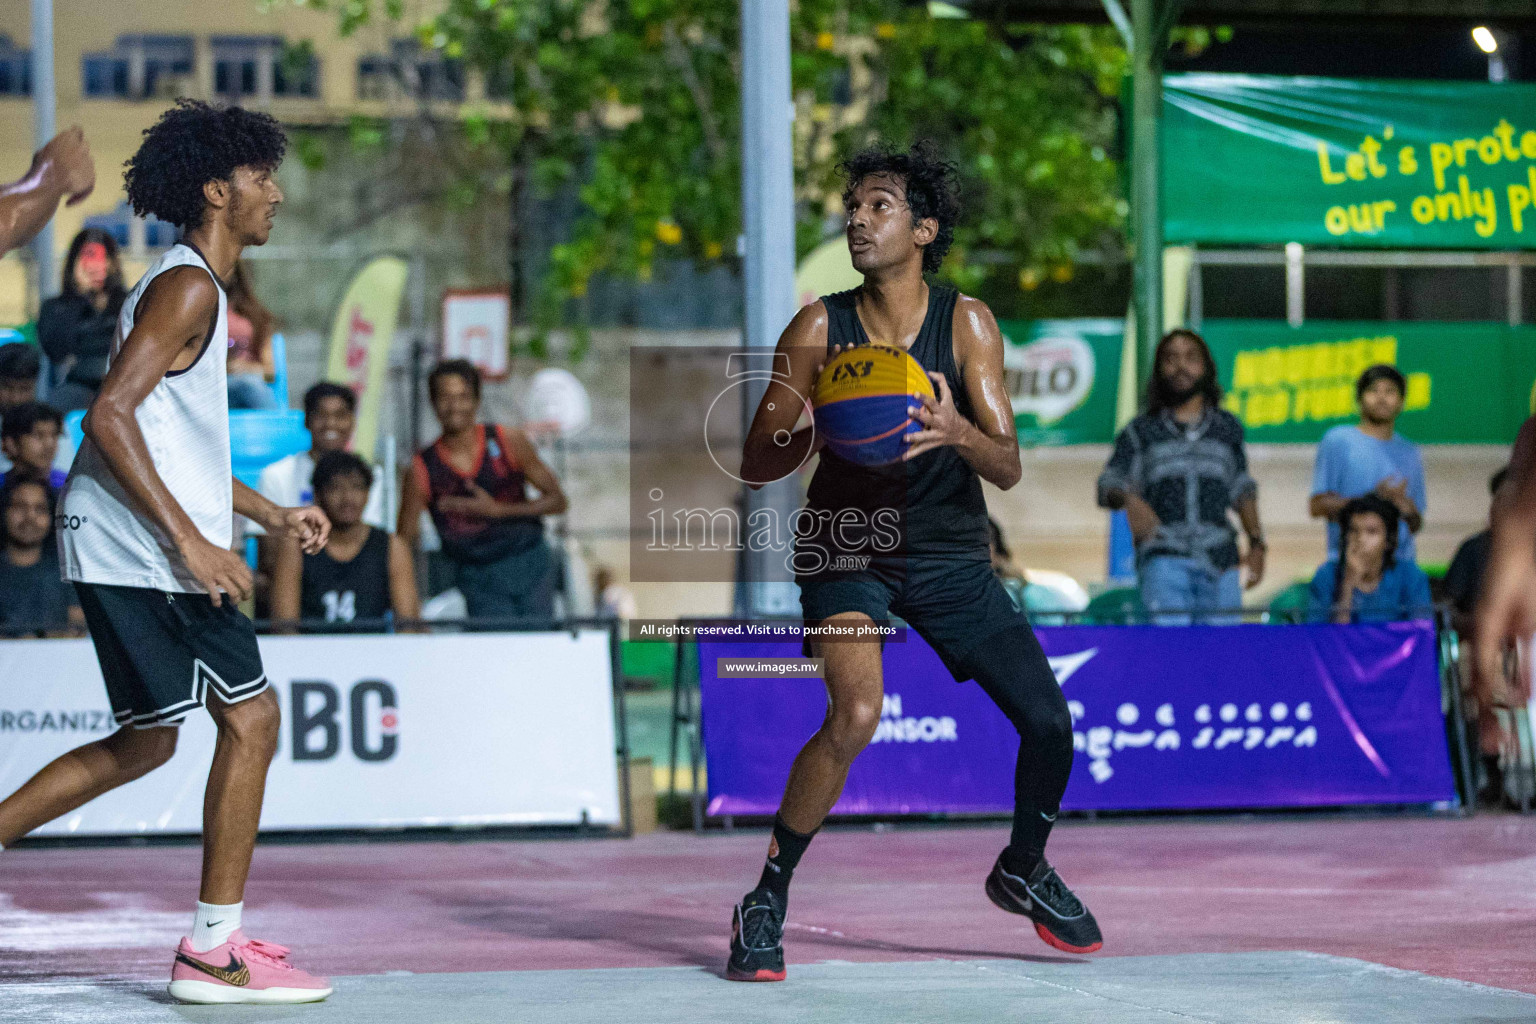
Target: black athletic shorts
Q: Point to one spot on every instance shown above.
(160, 652)
(954, 604)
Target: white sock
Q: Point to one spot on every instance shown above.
(212, 925)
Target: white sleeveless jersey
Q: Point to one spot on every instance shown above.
(103, 537)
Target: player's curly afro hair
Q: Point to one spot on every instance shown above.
(192, 144)
(932, 184)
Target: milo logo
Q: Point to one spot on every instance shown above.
(1049, 377)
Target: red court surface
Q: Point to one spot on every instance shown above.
(1455, 898)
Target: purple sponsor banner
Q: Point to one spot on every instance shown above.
(1162, 718)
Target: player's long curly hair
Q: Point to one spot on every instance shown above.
(932, 184)
(192, 144)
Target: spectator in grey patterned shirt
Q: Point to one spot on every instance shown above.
(1177, 470)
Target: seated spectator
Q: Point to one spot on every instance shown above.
(76, 327)
(1177, 470)
(33, 599)
(29, 438)
(614, 600)
(1371, 458)
(330, 415)
(1368, 583)
(1463, 588)
(1464, 578)
(362, 575)
(1026, 595)
(19, 367)
(251, 367)
(474, 481)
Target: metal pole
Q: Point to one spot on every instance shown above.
(1146, 178)
(768, 223)
(1512, 293)
(1295, 284)
(44, 127)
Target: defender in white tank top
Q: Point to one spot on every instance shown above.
(185, 422)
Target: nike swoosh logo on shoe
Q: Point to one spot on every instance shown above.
(236, 974)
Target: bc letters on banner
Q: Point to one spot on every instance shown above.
(378, 732)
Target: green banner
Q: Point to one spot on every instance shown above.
(1252, 160)
(1467, 382)
(1061, 376)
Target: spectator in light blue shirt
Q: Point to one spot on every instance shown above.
(1368, 583)
(1371, 458)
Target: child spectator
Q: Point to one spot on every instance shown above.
(29, 439)
(1371, 458)
(76, 327)
(362, 575)
(33, 598)
(1368, 583)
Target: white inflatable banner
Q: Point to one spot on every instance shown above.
(378, 732)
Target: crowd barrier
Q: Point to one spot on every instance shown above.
(1164, 718)
(522, 726)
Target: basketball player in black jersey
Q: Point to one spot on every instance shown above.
(901, 210)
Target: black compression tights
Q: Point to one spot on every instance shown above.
(1010, 666)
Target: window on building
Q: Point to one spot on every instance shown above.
(260, 67)
(410, 71)
(15, 69)
(140, 67)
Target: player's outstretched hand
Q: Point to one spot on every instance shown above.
(219, 570)
(941, 420)
(1507, 612)
(308, 525)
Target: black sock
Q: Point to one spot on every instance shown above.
(1021, 858)
(784, 852)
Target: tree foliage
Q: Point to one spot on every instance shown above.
(636, 104)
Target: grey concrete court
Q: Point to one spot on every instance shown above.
(1219, 988)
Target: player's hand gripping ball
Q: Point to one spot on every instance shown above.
(861, 399)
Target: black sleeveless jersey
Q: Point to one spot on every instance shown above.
(338, 593)
(935, 499)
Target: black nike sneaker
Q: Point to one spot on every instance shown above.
(1060, 918)
(757, 930)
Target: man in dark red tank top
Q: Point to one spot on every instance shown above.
(473, 481)
(901, 209)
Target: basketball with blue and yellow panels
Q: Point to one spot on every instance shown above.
(861, 399)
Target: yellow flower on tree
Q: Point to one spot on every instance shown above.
(885, 30)
(1029, 279)
(825, 40)
(668, 233)
(712, 250)
(1061, 273)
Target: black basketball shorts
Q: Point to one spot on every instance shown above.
(162, 652)
(953, 603)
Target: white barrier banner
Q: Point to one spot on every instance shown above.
(378, 731)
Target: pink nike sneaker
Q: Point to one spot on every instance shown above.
(242, 970)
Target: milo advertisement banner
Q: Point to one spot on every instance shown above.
(1256, 159)
(1468, 383)
(1061, 376)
